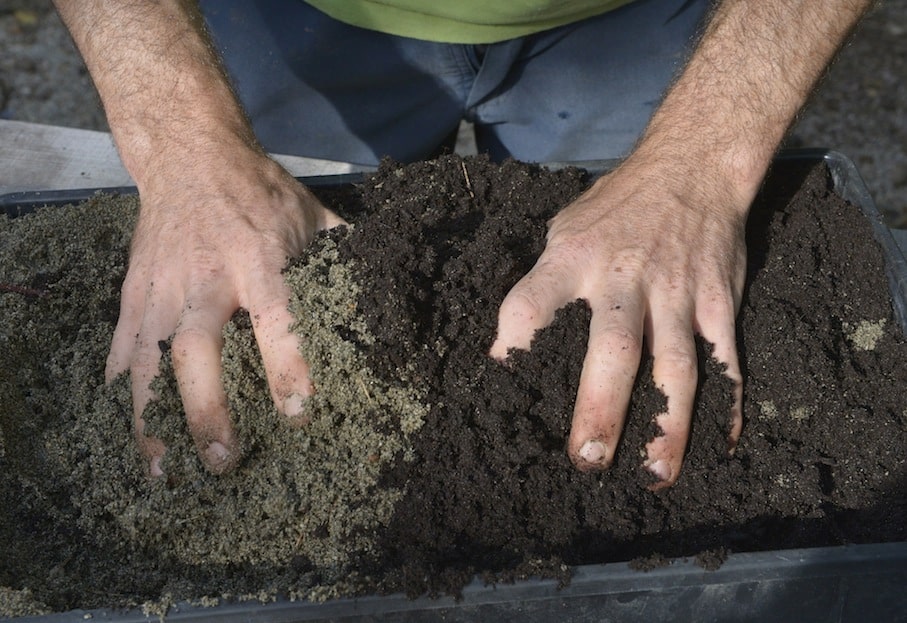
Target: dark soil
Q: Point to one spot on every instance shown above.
(485, 484)
(493, 489)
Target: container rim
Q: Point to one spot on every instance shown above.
(855, 574)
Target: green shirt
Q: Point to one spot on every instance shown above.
(462, 21)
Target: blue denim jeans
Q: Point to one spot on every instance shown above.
(316, 87)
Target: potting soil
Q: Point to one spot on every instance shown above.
(424, 462)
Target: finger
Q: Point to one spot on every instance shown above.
(675, 373)
(286, 370)
(716, 322)
(159, 319)
(609, 370)
(196, 351)
(530, 305)
(329, 220)
(321, 217)
(132, 304)
(315, 219)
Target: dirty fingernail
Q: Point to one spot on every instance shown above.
(292, 405)
(155, 467)
(661, 470)
(216, 453)
(593, 451)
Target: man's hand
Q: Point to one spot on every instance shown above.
(656, 248)
(218, 217)
(200, 251)
(655, 267)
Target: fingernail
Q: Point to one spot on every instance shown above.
(498, 351)
(216, 453)
(292, 405)
(661, 470)
(155, 467)
(593, 451)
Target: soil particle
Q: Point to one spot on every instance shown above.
(650, 562)
(422, 462)
(712, 559)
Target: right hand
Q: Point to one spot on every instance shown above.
(658, 254)
(205, 246)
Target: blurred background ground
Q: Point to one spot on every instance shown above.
(859, 109)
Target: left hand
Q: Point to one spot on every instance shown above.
(659, 256)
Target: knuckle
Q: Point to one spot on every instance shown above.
(205, 269)
(134, 288)
(187, 336)
(679, 363)
(522, 304)
(186, 341)
(621, 340)
(736, 377)
(145, 358)
(719, 302)
(563, 254)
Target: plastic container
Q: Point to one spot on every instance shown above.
(848, 184)
(827, 584)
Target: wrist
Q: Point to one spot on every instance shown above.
(705, 170)
(190, 157)
(181, 143)
(164, 90)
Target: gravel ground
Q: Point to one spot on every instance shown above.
(42, 78)
(859, 109)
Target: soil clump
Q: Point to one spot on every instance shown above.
(424, 462)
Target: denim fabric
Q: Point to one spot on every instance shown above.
(316, 87)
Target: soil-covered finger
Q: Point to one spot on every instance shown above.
(722, 335)
(129, 322)
(675, 373)
(609, 371)
(531, 305)
(196, 354)
(288, 374)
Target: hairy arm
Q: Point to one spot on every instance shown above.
(755, 67)
(657, 246)
(162, 85)
(218, 217)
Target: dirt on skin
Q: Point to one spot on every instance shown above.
(424, 462)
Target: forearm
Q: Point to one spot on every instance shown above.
(165, 93)
(754, 68)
